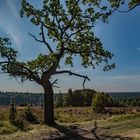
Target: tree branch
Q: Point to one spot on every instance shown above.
(44, 40)
(75, 74)
(54, 82)
(29, 74)
(4, 62)
(72, 18)
(125, 11)
(56, 86)
(35, 38)
(76, 32)
(59, 26)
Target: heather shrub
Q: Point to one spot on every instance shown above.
(30, 116)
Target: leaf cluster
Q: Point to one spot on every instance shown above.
(70, 25)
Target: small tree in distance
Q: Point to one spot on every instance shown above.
(99, 102)
(66, 29)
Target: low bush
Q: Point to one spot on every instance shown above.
(20, 123)
(99, 102)
(7, 128)
(30, 116)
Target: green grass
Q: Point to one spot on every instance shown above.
(63, 115)
(35, 132)
(7, 128)
(73, 114)
(125, 125)
(124, 117)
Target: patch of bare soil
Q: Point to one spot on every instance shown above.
(79, 132)
(133, 133)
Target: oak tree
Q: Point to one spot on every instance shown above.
(66, 30)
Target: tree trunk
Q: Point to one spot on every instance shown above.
(48, 104)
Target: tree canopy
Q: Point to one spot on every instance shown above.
(66, 30)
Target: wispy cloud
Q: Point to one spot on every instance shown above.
(122, 77)
(13, 9)
(10, 24)
(138, 49)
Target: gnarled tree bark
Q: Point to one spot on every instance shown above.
(48, 103)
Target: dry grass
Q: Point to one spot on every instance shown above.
(80, 118)
(35, 132)
(70, 114)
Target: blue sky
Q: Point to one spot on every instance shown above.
(121, 36)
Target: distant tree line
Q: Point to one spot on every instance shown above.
(129, 102)
(124, 102)
(75, 98)
(22, 99)
(102, 100)
(72, 98)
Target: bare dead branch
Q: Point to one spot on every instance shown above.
(56, 86)
(75, 74)
(54, 82)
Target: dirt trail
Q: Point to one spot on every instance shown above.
(78, 132)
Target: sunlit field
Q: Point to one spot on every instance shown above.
(111, 124)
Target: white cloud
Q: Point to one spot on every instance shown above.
(122, 78)
(12, 32)
(13, 10)
(9, 24)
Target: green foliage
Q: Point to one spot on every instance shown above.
(129, 102)
(99, 102)
(7, 52)
(78, 97)
(9, 63)
(42, 63)
(14, 120)
(130, 4)
(110, 101)
(29, 115)
(20, 123)
(69, 25)
(124, 117)
(4, 114)
(133, 3)
(7, 128)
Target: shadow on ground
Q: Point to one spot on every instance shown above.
(75, 132)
